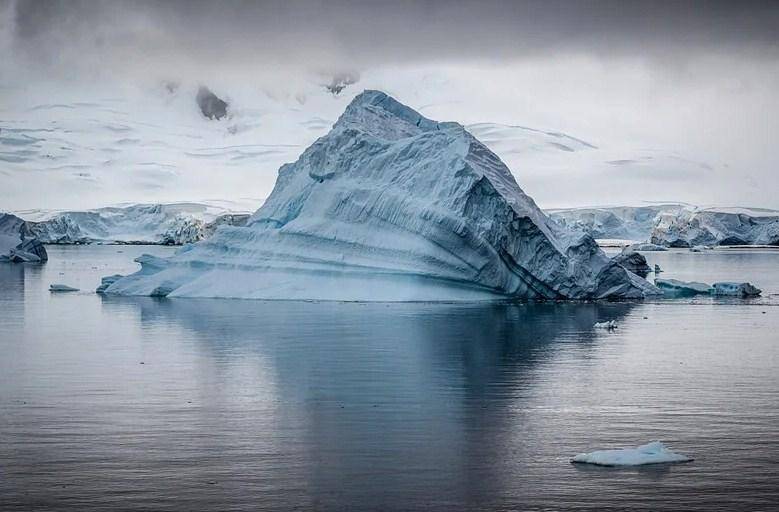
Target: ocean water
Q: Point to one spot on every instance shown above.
(188, 404)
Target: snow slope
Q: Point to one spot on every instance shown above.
(391, 206)
(71, 148)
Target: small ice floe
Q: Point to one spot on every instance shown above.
(676, 288)
(609, 325)
(736, 289)
(62, 288)
(700, 248)
(657, 269)
(650, 453)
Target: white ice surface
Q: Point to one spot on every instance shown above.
(650, 453)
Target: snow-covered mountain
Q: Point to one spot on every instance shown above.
(80, 148)
(390, 205)
(170, 224)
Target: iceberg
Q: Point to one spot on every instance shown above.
(107, 281)
(633, 261)
(736, 289)
(650, 453)
(676, 288)
(609, 325)
(62, 288)
(391, 206)
(15, 246)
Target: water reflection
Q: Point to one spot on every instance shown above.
(379, 404)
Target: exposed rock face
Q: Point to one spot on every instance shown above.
(718, 226)
(15, 245)
(392, 206)
(210, 104)
(340, 81)
(633, 261)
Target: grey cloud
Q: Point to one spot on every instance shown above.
(351, 34)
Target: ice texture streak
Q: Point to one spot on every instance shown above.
(391, 206)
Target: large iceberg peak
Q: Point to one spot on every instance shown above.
(383, 116)
(390, 205)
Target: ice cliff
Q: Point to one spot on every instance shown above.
(619, 222)
(391, 206)
(675, 225)
(168, 224)
(15, 244)
(718, 226)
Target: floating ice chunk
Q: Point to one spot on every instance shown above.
(609, 325)
(633, 261)
(650, 453)
(736, 289)
(677, 288)
(62, 288)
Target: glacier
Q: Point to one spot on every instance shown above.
(391, 206)
(675, 225)
(718, 226)
(616, 223)
(650, 453)
(161, 223)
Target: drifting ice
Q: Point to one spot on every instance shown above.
(651, 453)
(391, 206)
(62, 288)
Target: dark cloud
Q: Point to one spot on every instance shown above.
(351, 34)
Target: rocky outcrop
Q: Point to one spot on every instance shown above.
(211, 105)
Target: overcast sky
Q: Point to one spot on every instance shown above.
(699, 78)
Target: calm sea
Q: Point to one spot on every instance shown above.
(187, 404)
